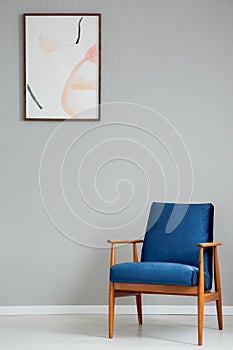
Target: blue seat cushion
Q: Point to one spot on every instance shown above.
(157, 273)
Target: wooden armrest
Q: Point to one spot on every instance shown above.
(209, 244)
(113, 249)
(112, 241)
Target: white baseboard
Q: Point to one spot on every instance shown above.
(103, 309)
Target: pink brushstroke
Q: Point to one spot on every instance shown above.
(75, 82)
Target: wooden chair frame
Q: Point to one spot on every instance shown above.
(120, 289)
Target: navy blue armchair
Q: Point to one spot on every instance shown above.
(176, 259)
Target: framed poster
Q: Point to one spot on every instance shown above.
(62, 61)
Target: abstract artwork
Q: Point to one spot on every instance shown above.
(62, 63)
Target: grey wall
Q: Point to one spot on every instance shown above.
(172, 56)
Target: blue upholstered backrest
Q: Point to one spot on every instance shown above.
(174, 237)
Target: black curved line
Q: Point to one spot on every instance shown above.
(79, 31)
(33, 97)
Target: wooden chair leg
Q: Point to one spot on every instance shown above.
(111, 309)
(218, 289)
(200, 320)
(201, 297)
(219, 313)
(139, 307)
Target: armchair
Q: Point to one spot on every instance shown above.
(176, 263)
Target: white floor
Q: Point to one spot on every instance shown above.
(68, 332)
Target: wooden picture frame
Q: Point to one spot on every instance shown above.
(62, 66)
